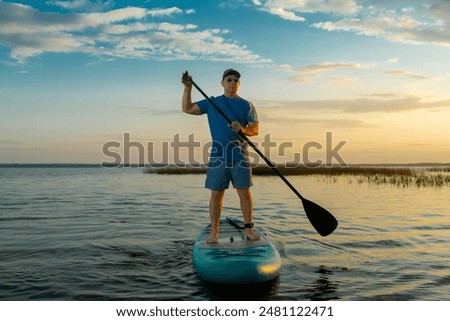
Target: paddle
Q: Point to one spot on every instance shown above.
(322, 220)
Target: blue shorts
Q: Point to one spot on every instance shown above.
(220, 174)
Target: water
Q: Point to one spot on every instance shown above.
(119, 234)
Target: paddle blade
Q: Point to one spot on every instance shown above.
(323, 221)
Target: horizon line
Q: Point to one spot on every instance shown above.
(146, 165)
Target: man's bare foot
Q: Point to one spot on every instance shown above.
(213, 238)
(251, 235)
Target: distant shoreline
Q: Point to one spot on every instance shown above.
(190, 167)
(264, 170)
(400, 175)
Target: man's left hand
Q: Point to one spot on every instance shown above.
(236, 127)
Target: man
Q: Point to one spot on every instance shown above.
(228, 160)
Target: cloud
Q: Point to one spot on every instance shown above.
(411, 21)
(378, 103)
(7, 145)
(130, 32)
(341, 81)
(10, 142)
(149, 111)
(404, 74)
(398, 22)
(388, 103)
(77, 5)
(394, 60)
(307, 73)
(316, 122)
(287, 15)
(289, 9)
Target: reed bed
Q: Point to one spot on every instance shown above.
(398, 176)
(420, 178)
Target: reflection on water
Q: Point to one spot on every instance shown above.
(322, 288)
(248, 292)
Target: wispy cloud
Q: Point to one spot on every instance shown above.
(78, 5)
(389, 103)
(399, 21)
(11, 145)
(149, 111)
(130, 32)
(394, 60)
(318, 122)
(292, 10)
(374, 103)
(284, 14)
(404, 74)
(306, 74)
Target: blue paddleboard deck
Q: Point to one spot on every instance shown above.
(234, 259)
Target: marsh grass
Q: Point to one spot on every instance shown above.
(417, 178)
(376, 175)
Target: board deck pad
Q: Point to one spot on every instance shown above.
(231, 237)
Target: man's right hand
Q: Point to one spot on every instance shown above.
(186, 79)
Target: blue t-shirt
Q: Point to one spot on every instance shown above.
(226, 144)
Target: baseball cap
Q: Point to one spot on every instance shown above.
(231, 72)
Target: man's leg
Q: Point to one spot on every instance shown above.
(246, 201)
(215, 210)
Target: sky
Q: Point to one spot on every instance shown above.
(354, 81)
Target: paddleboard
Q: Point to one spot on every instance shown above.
(234, 259)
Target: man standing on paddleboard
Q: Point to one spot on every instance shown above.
(229, 157)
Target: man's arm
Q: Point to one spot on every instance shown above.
(252, 129)
(186, 101)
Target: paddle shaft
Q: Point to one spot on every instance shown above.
(247, 140)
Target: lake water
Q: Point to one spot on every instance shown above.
(119, 234)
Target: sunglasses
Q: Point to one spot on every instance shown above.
(232, 79)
